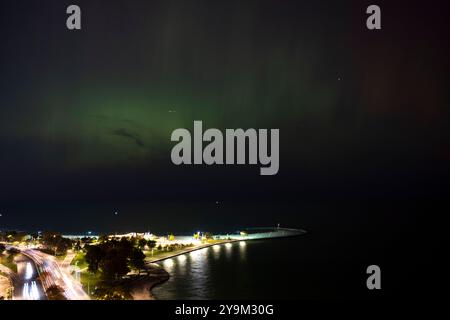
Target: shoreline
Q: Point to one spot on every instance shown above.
(154, 262)
(187, 250)
(299, 232)
(141, 287)
(143, 291)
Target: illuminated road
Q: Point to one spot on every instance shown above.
(27, 285)
(51, 273)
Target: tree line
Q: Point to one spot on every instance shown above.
(115, 258)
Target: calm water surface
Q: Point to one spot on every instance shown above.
(285, 268)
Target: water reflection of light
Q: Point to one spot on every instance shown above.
(242, 249)
(228, 250)
(168, 263)
(216, 251)
(181, 264)
(194, 254)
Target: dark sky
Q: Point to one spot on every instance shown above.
(85, 123)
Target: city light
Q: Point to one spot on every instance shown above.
(67, 277)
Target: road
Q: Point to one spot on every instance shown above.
(68, 259)
(53, 273)
(26, 283)
(30, 287)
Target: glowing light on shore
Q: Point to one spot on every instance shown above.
(228, 245)
(242, 243)
(182, 258)
(216, 247)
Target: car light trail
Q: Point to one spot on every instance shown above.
(28, 271)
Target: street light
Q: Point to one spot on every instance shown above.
(116, 214)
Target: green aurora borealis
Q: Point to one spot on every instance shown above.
(87, 115)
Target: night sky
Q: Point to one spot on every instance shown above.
(86, 116)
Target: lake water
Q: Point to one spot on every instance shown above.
(285, 268)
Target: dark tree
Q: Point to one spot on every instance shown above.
(50, 238)
(56, 243)
(55, 293)
(77, 245)
(114, 265)
(151, 244)
(12, 236)
(142, 243)
(126, 246)
(208, 235)
(86, 240)
(137, 259)
(94, 255)
(103, 238)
